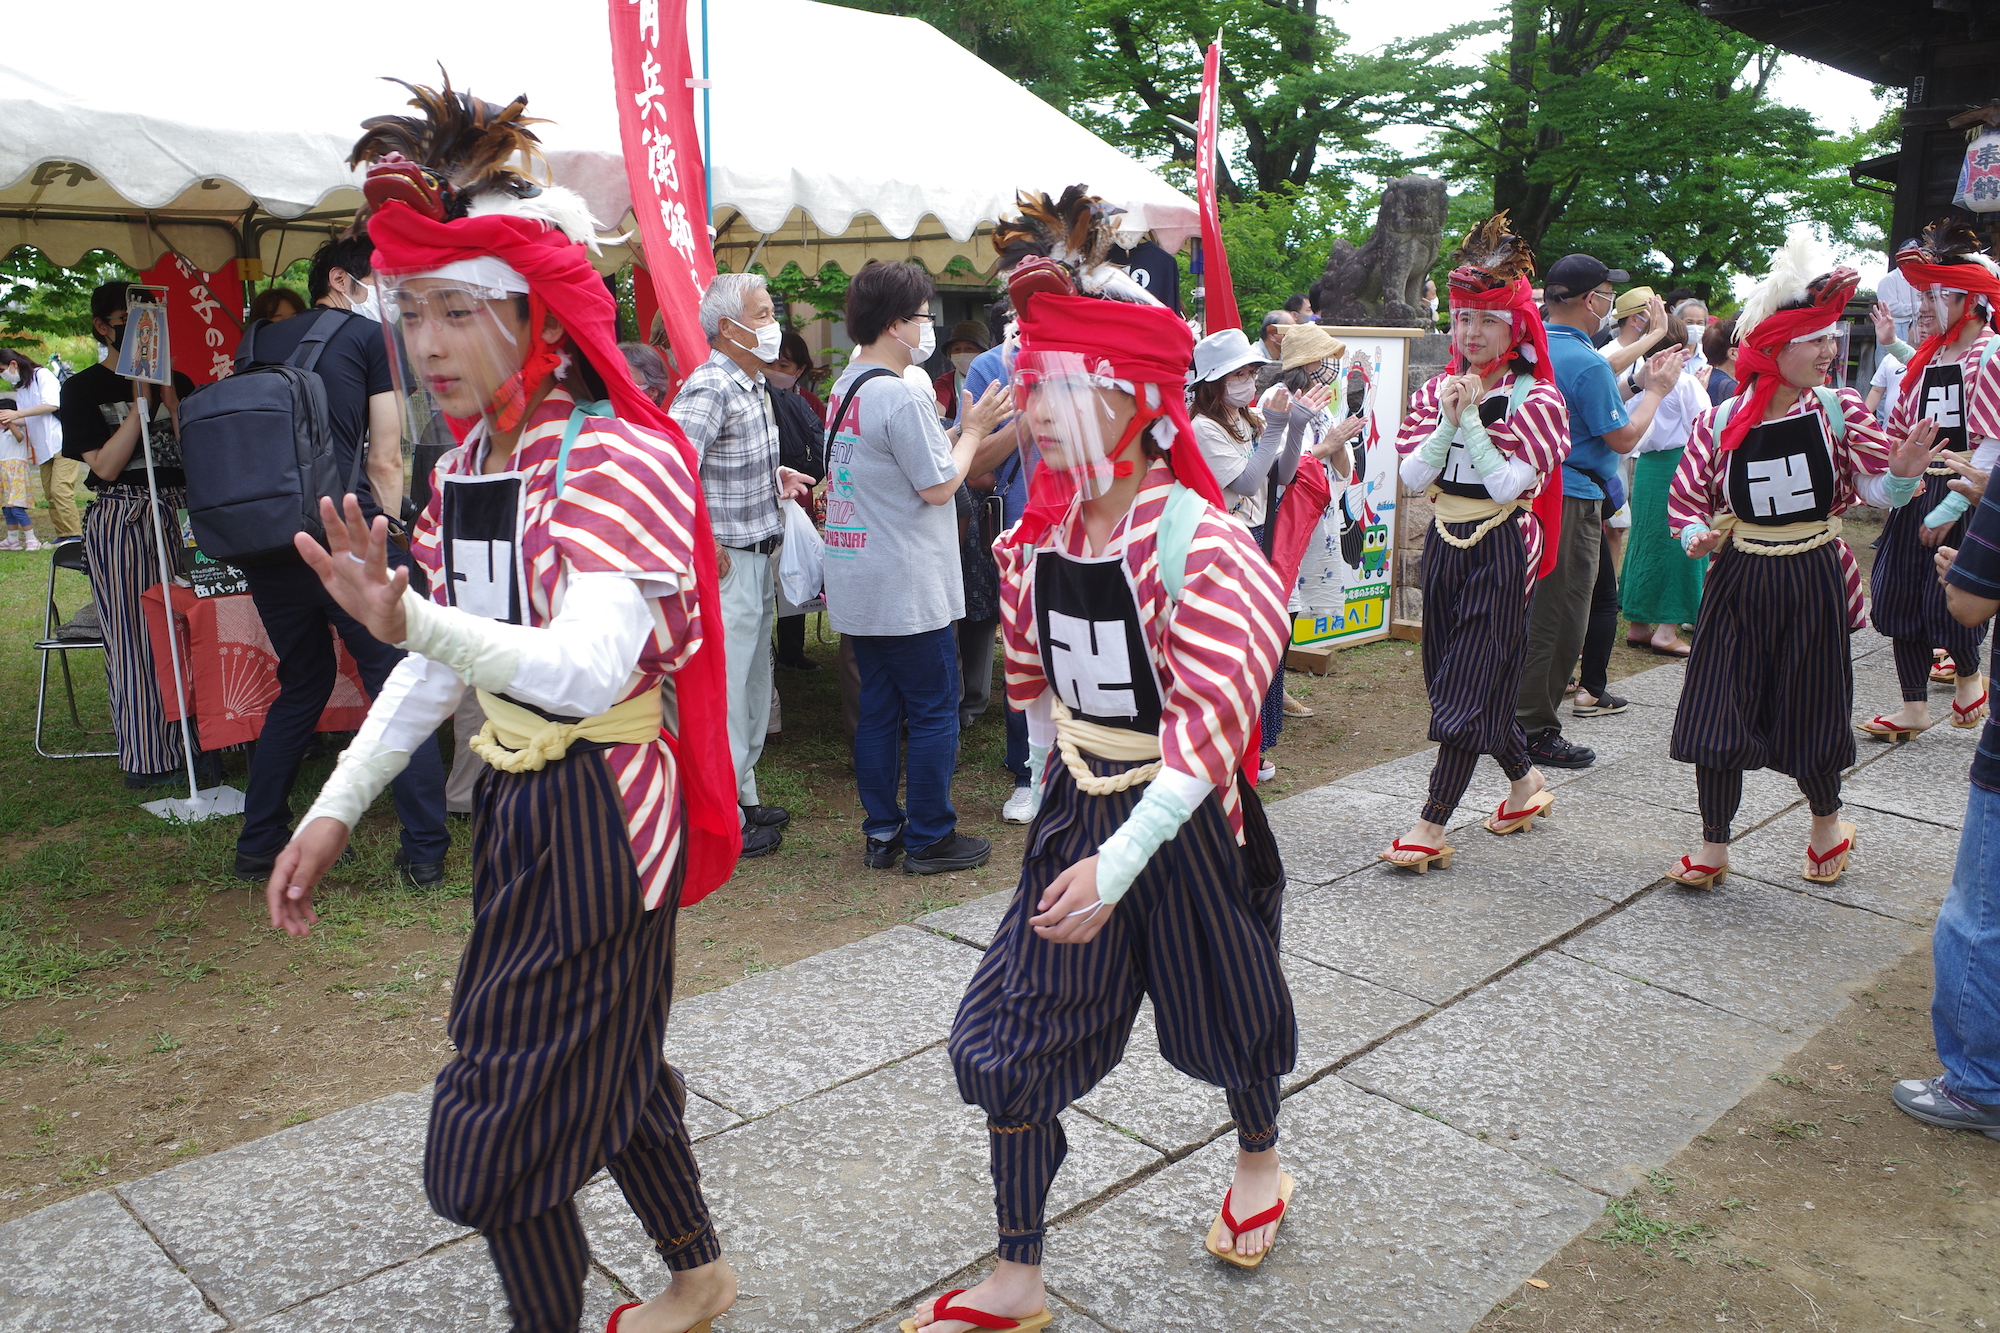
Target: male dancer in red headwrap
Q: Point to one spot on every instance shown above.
(1483, 439)
(1954, 380)
(574, 588)
(1764, 481)
(1142, 626)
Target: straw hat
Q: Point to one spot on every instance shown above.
(1310, 344)
(1631, 301)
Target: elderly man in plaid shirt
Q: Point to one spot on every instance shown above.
(725, 407)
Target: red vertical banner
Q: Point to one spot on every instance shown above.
(1218, 295)
(204, 317)
(653, 78)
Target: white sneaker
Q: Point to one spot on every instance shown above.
(11, 542)
(33, 543)
(1019, 806)
(1267, 771)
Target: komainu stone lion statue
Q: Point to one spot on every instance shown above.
(1382, 283)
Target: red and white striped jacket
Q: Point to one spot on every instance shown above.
(1215, 651)
(1982, 396)
(1537, 433)
(627, 507)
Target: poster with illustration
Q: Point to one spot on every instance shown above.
(1342, 594)
(144, 355)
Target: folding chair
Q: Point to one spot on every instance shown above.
(65, 555)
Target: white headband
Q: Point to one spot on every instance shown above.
(480, 271)
(1817, 334)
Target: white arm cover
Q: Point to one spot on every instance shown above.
(576, 665)
(1170, 801)
(418, 695)
(1042, 720)
(1986, 454)
(1416, 473)
(1509, 479)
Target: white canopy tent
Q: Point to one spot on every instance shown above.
(224, 134)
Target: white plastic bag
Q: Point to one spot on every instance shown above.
(801, 559)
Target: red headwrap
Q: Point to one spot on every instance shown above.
(1972, 278)
(1144, 344)
(1757, 352)
(1517, 297)
(558, 271)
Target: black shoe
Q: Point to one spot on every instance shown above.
(419, 874)
(766, 816)
(759, 840)
(1600, 705)
(884, 855)
(954, 851)
(798, 664)
(1551, 750)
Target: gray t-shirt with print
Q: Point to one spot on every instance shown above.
(892, 564)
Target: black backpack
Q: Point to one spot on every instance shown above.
(258, 452)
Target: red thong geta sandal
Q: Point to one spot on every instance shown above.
(611, 1326)
(942, 1309)
(1697, 876)
(1963, 717)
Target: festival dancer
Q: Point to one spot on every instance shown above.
(1142, 626)
(1954, 380)
(1765, 478)
(574, 588)
(1482, 439)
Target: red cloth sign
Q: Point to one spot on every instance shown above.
(652, 76)
(204, 317)
(1218, 295)
(234, 677)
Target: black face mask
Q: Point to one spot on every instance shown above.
(117, 335)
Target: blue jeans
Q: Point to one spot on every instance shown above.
(1965, 949)
(909, 678)
(297, 613)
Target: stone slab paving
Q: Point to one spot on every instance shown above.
(87, 1263)
(1398, 1223)
(1530, 1060)
(849, 1181)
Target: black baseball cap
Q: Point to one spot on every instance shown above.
(1573, 275)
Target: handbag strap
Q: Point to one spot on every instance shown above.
(846, 399)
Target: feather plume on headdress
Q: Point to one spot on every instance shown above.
(1949, 240)
(1492, 256)
(1074, 233)
(1789, 282)
(465, 157)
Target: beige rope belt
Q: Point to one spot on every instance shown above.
(520, 740)
(1489, 514)
(1074, 735)
(1777, 539)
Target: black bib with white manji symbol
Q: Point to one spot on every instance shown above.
(1782, 473)
(1941, 397)
(1093, 650)
(481, 530)
(1459, 476)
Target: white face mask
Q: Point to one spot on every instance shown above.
(780, 379)
(926, 344)
(962, 362)
(11, 374)
(768, 338)
(369, 306)
(1694, 334)
(1240, 394)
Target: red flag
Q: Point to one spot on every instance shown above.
(1219, 297)
(653, 75)
(204, 317)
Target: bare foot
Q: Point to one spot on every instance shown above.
(1714, 855)
(693, 1295)
(1667, 638)
(1524, 789)
(1826, 834)
(1970, 688)
(1421, 834)
(1914, 714)
(1639, 635)
(1013, 1291)
(1254, 1189)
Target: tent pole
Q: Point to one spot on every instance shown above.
(166, 587)
(707, 124)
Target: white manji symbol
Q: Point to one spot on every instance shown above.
(1779, 485)
(484, 573)
(1458, 467)
(1093, 669)
(1945, 404)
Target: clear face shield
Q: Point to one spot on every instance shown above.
(1482, 337)
(1939, 311)
(1816, 359)
(458, 348)
(1078, 417)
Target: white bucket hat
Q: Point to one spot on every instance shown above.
(1220, 353)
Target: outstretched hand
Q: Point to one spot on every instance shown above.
(1070, 911)
(1885, 324)
(1970, 481)
(297, 872)
(1942, 561)
(1704, 544)
(356, 573)
(1916, 451)
(984, 416)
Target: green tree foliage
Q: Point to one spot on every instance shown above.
(40, 303)
(1642, 133)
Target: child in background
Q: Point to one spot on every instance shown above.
(17, 458)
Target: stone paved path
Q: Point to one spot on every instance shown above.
(1487, 1055)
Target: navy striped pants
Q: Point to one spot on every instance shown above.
(559, 1015)
(1042, 1024)
(1475, 641)
(1770, 683)
(124, 563)
(1906, 601)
